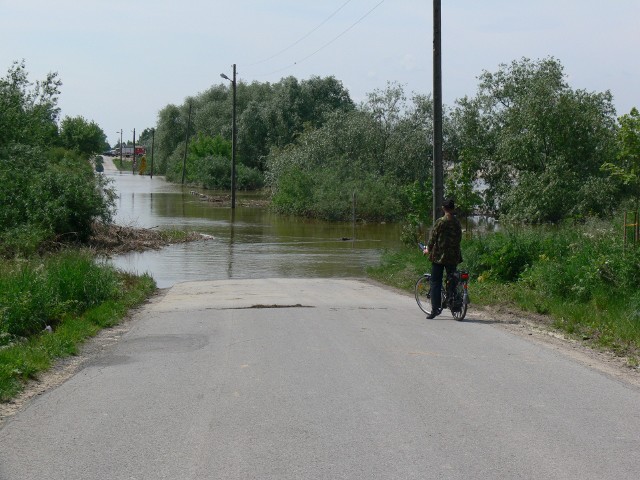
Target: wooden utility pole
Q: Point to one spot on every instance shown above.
(121, 149)
(133, 162)
(438, 176)
(234, 141)
(234, 136)
(186, 144)
(153, 140)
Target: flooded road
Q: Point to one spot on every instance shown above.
(251, 242)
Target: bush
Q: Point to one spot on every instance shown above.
(23, 301)
(248, 178)
(23, 240)
(502, 256)
(292, 196)
(54, 196)
(212, 171)
(574, 262)
(328, 195)
(37, 293)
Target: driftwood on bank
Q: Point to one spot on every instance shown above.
(116, 239)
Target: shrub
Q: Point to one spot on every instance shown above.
(212, 171)
(23, 300)
(575, 262)
(502, 256)
(48, 196)
(37, 293)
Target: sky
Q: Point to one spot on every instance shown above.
(122, 61)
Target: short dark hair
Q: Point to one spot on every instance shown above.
(449, 204)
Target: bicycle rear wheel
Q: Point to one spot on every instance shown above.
(459, 309)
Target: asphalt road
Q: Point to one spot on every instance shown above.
(322, 379)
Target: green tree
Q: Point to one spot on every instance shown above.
(170, 132)
(208, 164)
(322, 97)
(469, 141)
(268, 115)
(47, 193)
(82, 136)
(320, 172)
(253, 135)
(28, 112)
(145, 138)
(627, 167)
(538, 143)
(386, 108)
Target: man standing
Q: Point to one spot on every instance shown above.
(444, 252)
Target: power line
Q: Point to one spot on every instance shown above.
(303, 37)
(329, 42)
(337, 37)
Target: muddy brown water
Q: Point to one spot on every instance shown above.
(250, 242)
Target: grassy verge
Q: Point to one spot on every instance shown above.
(581, 278)
(48, 307)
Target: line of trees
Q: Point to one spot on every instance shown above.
(48, 190)
(525, 147)
(269, 116)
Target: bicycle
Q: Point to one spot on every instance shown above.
(459, 287)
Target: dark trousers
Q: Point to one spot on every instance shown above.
(437, 270)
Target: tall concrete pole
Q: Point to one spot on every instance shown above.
(438, 176)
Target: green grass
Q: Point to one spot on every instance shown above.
(70, 293)
(400, 268)
(580, 277)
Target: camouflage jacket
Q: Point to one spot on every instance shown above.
(444, 244)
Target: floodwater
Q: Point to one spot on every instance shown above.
(248, 243)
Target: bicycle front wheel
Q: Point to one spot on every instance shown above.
(423, 293)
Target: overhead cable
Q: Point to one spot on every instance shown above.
(303, 37)
(328, 43)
